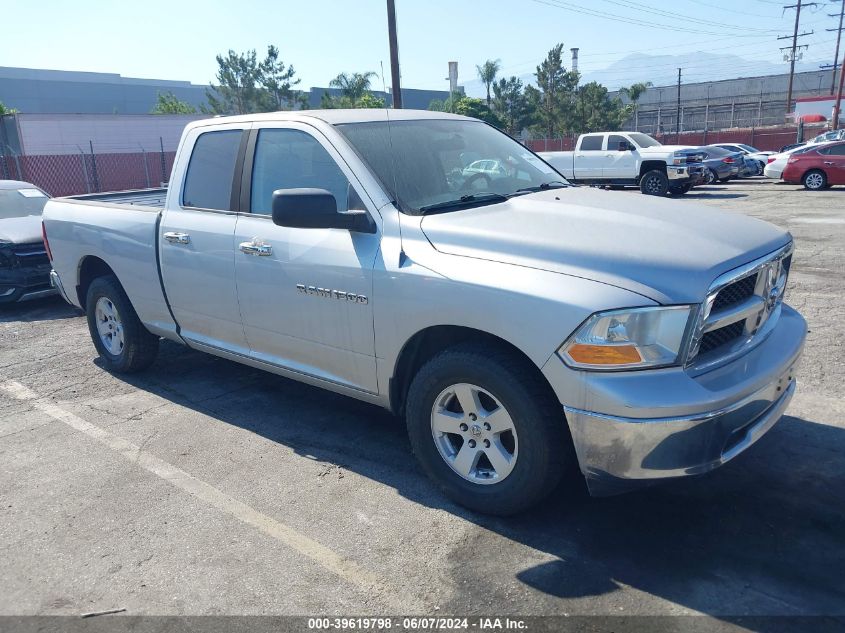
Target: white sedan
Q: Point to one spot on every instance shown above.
(777, 162)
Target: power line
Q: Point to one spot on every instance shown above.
(838, 39)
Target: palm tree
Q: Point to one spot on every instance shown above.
(487, 74)
(635, 91)
(353, 86)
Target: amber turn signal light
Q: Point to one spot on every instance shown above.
(604, 354)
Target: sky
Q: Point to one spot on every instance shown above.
(178, 39)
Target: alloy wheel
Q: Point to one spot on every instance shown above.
(109, 326)
(474, 434)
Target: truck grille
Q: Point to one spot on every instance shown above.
(735, 293)
(29, 255)
(741, 306)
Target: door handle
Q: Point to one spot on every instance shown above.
(256, 248)
(177, 238)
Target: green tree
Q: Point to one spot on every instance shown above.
(511, 104)
(5, 110)
(237, 90)
(459, 103)
(168, 103)
(487, 74)
(354, 92)
(595, 111)
(557, 87)
(277, 79)
(635, 91)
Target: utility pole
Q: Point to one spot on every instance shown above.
(838, 103)
(794, 47)
(838, 40)
(678, 115)
(394, 54)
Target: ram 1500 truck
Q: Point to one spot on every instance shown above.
(630, 159)
(519, 324)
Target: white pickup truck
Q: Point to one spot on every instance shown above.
(429, 264)
(630, 159)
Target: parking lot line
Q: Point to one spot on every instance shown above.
(327, 558)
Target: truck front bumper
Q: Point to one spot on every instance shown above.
(630, 428)
(23, 284)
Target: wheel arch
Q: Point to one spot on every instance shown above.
(90, 268)
(650, 165)
(427, 343)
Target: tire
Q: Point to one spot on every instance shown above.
(712, 177)
(537, 448)
(654, 183)
(814, 180)
(680, 190)
(122, 341)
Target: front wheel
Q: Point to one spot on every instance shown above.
(122, 341)
(654, 183)
(487, 430)
(815, 180)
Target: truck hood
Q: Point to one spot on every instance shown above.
(21, 230)
(669, 251)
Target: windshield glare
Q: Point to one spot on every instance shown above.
(429, 162)
(643, 140)
(18, 203)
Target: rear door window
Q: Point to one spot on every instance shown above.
(591, 143)
(211, 171)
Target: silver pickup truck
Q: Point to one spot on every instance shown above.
(430, 264)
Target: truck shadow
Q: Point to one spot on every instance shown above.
(46, 309)
(763, 535)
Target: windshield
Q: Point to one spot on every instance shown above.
(748, 148)
(426, 164)
(17, 203)
(643, 140)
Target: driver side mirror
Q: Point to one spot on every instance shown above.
(316, 209)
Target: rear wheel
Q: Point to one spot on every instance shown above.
(487, 430)
(654, 183)
(815, 179)
(711, 177)
(122, 341)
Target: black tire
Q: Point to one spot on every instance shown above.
(815, 180)
(712, 177)
(139, 348)
(680, 190)
(544, 445)
(654, 183)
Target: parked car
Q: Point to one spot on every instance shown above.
(789, 147)
(819, 167)
(721, 165)
(832, 135)
(754, 158)
(24, 266)
(777, 162)
(629, 159)
(518, 324)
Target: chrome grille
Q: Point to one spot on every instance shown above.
(741, 306)
(735, 292)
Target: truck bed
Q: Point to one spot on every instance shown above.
(137, 197)
(118, 230)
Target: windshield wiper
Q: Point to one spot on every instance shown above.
(554, 184)
(464, 202)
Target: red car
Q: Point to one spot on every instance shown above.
(817, 168)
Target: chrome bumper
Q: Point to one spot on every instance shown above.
(56, 282)
(676, 172)
(637, 427)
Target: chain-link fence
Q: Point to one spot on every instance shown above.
(89, 171)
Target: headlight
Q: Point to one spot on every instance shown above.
(635, 338)
(679, 159)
